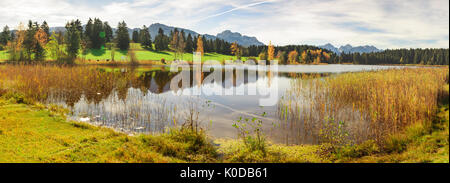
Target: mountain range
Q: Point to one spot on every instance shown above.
(226, 35)
(350, 49)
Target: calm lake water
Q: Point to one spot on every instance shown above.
(150, 105)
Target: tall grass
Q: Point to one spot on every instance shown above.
(120, 100)
(369, 105)
(123, 99)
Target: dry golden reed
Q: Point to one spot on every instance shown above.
(371, 104)
(38, 82)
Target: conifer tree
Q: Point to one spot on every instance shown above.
(189, 44)
(123, 37)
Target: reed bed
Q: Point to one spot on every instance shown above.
(351, 108)
(120, 100)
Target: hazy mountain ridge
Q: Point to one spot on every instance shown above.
(350, 49)
(240, 39)
(226, 35)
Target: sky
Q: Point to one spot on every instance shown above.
(382, 23)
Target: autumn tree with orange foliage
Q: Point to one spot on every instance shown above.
(304, 56)
(15, 46)
(200, 45)
(326, 56)
(40, 40)
(235, 50)
(293, 57)
(270, 52)
(41, 37)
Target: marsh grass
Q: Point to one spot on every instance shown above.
(373, 105)
(118, 98)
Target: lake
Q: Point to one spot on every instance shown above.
(147, 103)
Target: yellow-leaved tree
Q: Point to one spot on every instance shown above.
(235, 50)
(293, 57)
(270, 52)
(200, 45)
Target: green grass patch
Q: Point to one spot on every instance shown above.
(36, 134)
(4, 55)
(141, 54)
(235, 151)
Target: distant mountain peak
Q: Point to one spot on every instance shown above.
(243, 40)
(350, 49)
(227, 31)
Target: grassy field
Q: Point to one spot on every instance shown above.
(95, 55)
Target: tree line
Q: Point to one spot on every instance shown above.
(306, 54)
(428, 56)
(290, 54)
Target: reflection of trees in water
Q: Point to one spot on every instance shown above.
(97, 84)
(304, 75)
(162, 80)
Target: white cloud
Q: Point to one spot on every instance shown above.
(385, 24)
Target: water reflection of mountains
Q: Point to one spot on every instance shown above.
(159, 81)
(155, 82)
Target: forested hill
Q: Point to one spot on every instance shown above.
(311, 54)
(438, 56)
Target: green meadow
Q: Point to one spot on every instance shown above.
(141, 54)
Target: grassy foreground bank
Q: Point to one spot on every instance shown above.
(33, 133)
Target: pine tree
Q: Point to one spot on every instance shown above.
(79, 27)
(123, 37)
(161, 41)
(72, 40)
(145, 38)
(194, 46)
(98, 34)
(135, 36)
(46, 29)
(205, 44)
(189, 44)
(88, 33)
(5, 36)
(108, 32)
(34, 36)
(13, 36)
